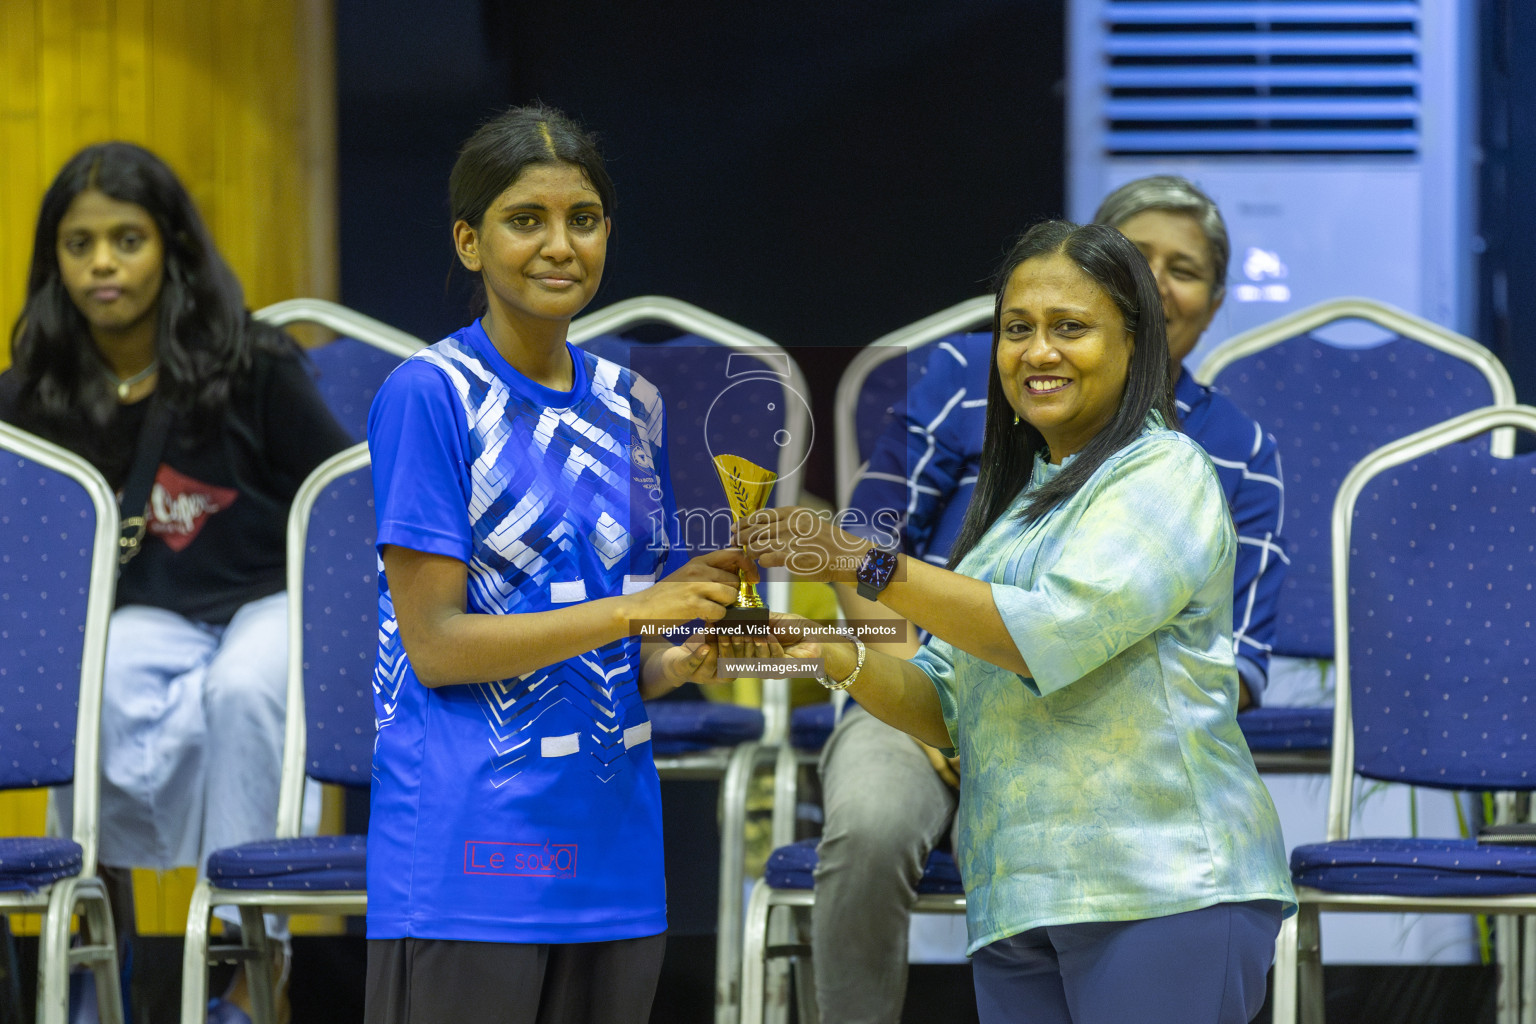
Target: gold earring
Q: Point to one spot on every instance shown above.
(1015, 419)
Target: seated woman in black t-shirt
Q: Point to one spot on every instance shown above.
(132, 316)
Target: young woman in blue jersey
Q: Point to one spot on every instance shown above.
(514, 848)
(133, 319)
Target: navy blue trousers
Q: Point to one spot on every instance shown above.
(1202, 967)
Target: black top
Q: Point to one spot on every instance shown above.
(218, 513)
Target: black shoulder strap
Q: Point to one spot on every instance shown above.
(141, 478)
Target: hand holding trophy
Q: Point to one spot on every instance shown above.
(747, 486)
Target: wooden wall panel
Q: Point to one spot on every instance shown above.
(238, 96)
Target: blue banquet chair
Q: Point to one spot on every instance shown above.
(329, 734)
(353, 365)
(1333, 382)
(58, 571)
(1433, 610)
(727, 390)
(788, 882)
(871, 394)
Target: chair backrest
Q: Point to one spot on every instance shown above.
(727, 391)
(1434, 546)
(333, 628)
(1332, 389)
(352, 367)
(58, 573)
(872, 391)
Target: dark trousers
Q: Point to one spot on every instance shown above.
(435, 981)
(1202, 967)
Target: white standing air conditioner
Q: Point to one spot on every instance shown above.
(1337, 136)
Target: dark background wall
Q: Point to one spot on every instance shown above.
(820, 172)
(1507, 284)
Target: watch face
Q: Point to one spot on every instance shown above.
(877, 567)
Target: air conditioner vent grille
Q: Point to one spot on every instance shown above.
(1240, 77)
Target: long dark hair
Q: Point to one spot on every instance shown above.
(496, 155)
(203, 334)
(1008, 450)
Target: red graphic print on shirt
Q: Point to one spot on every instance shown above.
(180, 505)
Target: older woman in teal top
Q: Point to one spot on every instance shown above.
(1121, 859)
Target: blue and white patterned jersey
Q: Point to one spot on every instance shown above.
(925, 466)
(523, 810)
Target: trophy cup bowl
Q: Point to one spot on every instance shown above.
(747, 486)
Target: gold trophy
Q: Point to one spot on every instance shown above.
(747, 487)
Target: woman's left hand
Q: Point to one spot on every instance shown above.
(805, 543)
(791, 638)
(697, 659)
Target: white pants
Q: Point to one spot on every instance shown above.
(191, 733)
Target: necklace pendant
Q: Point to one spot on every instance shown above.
(125, 385)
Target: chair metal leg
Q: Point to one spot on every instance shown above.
(194, 957)
(733, 824)
(776, 987)
(1528, 970)
(781, 927)
(776, 973)
(258, 969)
(786, 779)
(754, 954)
(1309, 965)
(1506, 954)
(53, 959)
(99, 949)
(1283, 996)
(805, 985)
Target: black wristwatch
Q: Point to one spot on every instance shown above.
(874, 572)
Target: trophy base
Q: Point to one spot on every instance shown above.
(737, 613)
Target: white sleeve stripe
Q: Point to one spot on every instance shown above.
(1268, 546)
(954, 399)
(1240, 629)
(917, 471)
(893, 479)
(1263, 478)
(932, 445)
(1280, 516)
